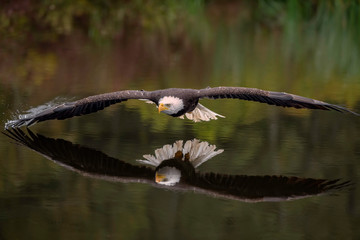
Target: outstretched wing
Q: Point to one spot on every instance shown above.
(81, 107)
(273, 98)
(81, 159)
(264, 188)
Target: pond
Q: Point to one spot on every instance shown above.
(79, 178)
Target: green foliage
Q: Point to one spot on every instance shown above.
(46, 21)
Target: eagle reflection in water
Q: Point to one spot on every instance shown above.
(174, 167)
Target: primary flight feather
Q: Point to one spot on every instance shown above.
(176, 102)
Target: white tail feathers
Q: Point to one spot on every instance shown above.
(199, 152)
(201, 113)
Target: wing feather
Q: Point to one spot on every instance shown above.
(262, 188)
(81, 159)
(273, 98)
(81, 107)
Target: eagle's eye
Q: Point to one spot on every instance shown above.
(167, 105)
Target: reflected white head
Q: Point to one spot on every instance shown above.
(168, 176)
(170, 105)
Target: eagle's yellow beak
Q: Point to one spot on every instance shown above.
(162, 107)
(159, 177)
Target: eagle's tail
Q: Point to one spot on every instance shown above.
(195, 151)
(201, 113)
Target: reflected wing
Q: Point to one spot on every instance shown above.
(264, 188)
(96, 164)
(82, 159)
(273, 98)
(81, 107)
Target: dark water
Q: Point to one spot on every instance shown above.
(279, 48)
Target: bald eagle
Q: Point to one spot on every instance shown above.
(174, 167)
(178, 161)
(176, 102)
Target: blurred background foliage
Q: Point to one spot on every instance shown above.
(48, 21)
(99, 20)
(234, 34)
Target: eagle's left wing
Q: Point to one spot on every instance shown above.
(273, 98)
(264, 188)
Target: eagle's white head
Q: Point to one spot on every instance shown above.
(170, 105)
(168, 176)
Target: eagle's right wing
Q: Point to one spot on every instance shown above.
(82, 159)
(80, 107)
